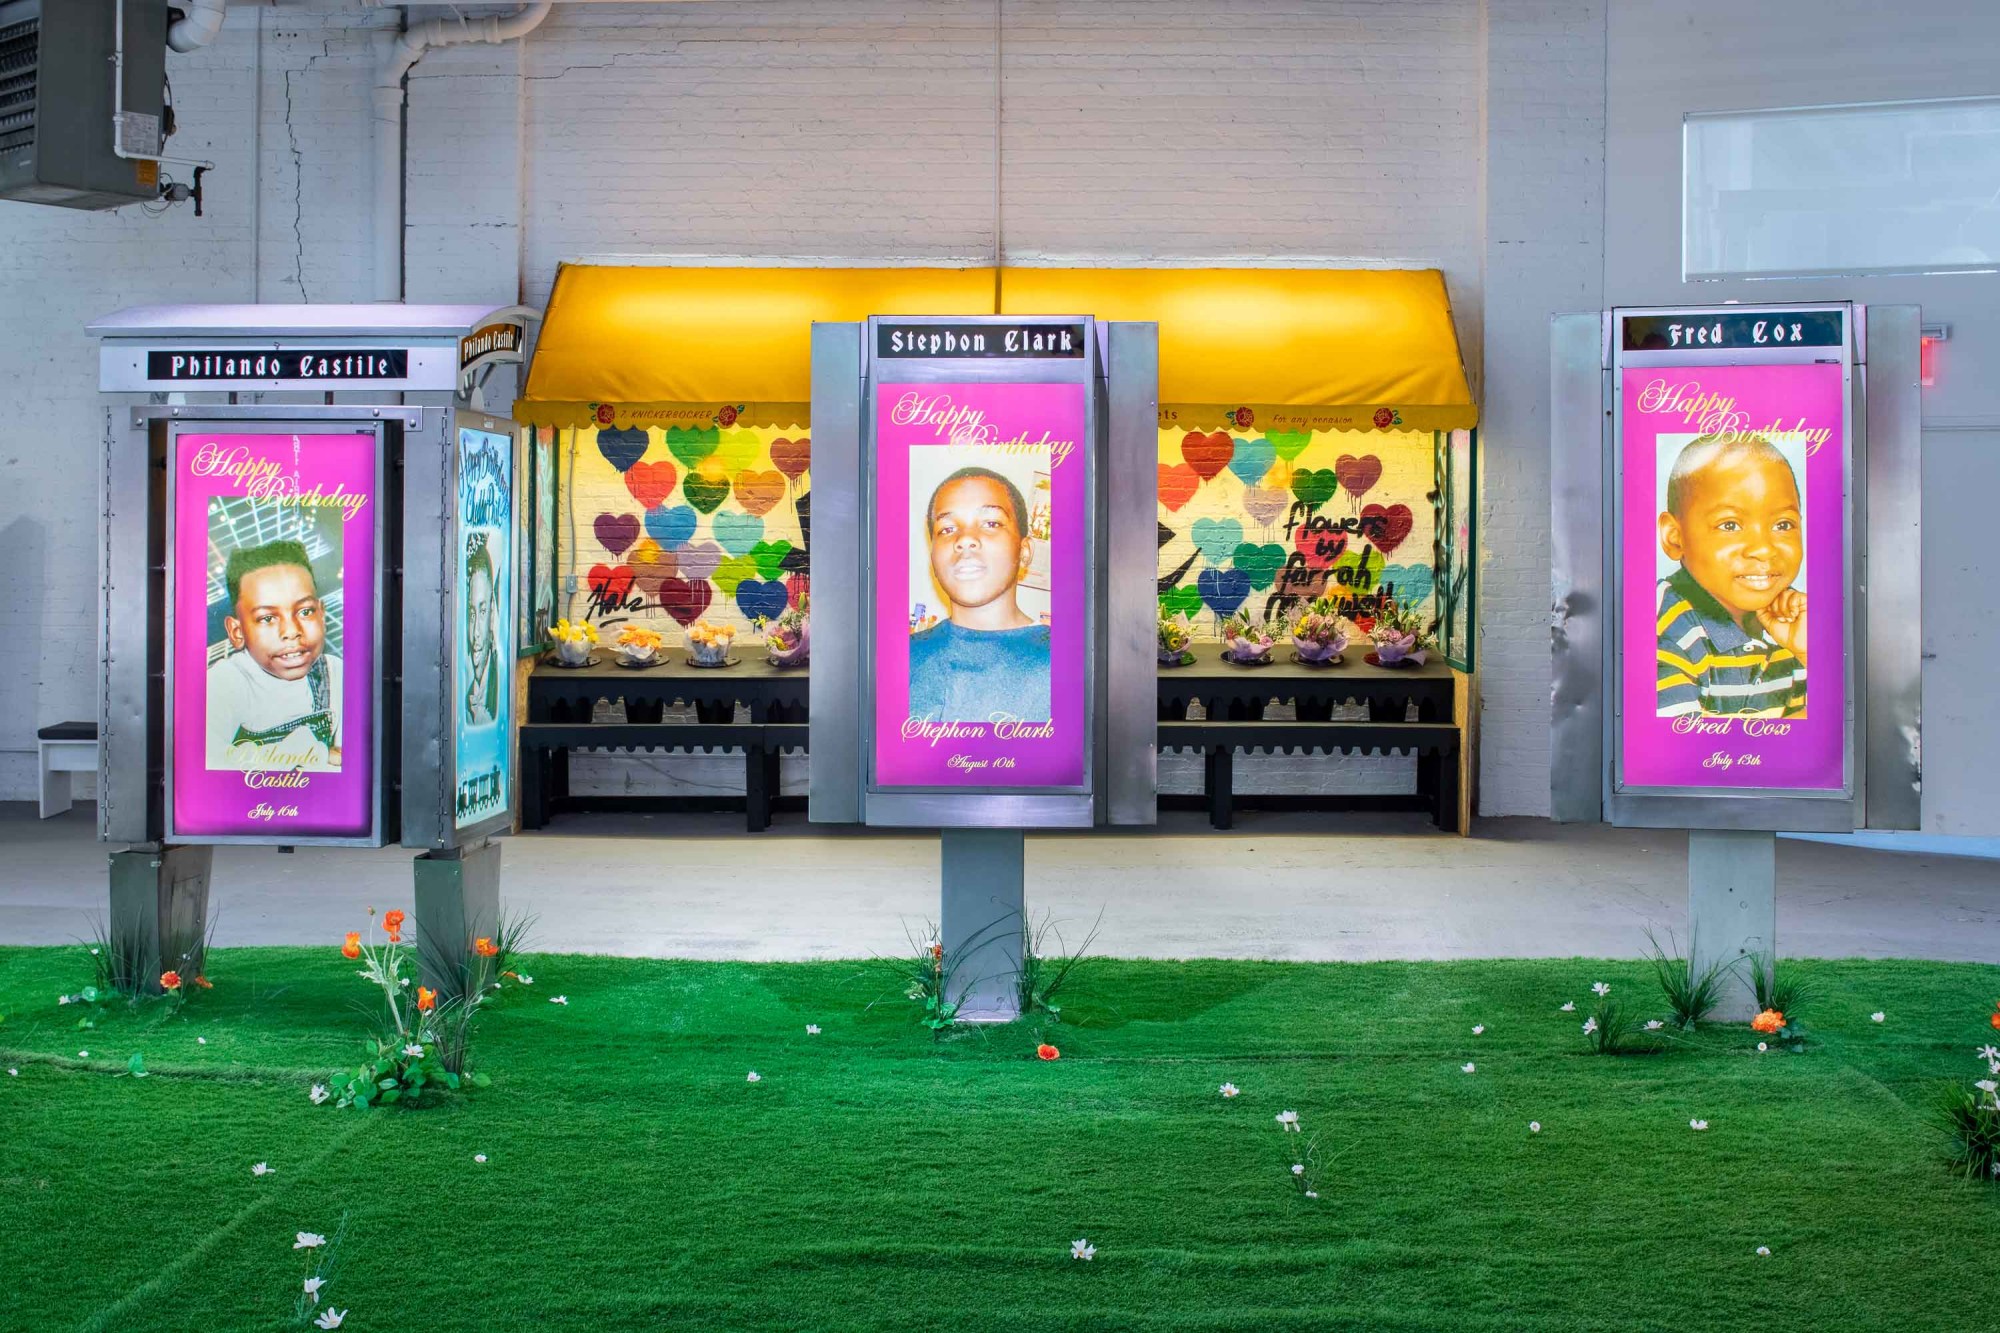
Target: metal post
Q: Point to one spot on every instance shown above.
(159, 910)
(457, 901)
(981, 919)
(1732, 909)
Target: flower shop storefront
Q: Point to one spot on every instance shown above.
(1316, 484)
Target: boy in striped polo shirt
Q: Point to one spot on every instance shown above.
(1732, 628)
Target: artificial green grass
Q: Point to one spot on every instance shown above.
(875, 1179)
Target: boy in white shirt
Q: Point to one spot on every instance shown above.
(275, 702)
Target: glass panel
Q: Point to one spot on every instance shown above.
(1456, 496)
(1898, 187)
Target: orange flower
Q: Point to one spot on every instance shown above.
(170, 980)
(1995, 1020)
(392, 923)
(1768, 1021)
(351, 949)
(426, 998)
(1047, 1052)
(485, 947)
(204, 983)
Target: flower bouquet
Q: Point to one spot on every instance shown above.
(1247, 642)
(1319, 635)
(638, 646)
(788, 639)
(573, 641)
(1175, 636)
(708, 645)
(1398, 636)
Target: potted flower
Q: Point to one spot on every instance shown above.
(573, 641)
(1175, 636)
(788, 639)
(1398, 635)
(1247, 642)
(1320, 634)
(708, 645)
(638, 646)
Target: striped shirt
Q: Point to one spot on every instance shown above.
(1709, 664)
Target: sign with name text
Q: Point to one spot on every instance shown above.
(304, 366)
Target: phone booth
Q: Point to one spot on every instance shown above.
(308, 587)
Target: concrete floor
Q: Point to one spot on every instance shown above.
(1281, 886)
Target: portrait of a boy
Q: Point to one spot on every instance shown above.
(274, 700)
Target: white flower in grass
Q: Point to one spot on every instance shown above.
(524, 978)
(1589, 1026)
(318, 1094)
(1654, 1025)
(1298, 1168)
(201, 1041)
(812, 1029)
(1989, 1052)
(1987, 1085)
(65, 999)
(1082, 1249)
(1312, 1194)
(1697, 1124)
(480, 1158)
(331, 1318)
(93, 953)
(1467, 1068)
(413, 1051)
(1288, 1121)
(558, 999)
(1762, 1047)
(261, 1169)
(1478, 1029)
(1569, 1006)
(1877, 1017)
(1600, 988)
(313, 1284)
(13, 1073)
(309, 1240)
(1228, 1089)
(753, 1077)
(1534, 1126)
(1764, 1250)
(83, 1055)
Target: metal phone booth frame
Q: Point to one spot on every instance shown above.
(405, 378)
(1732, 825)
(982, 826)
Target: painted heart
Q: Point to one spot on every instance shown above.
(651, 483)
(1216, 538)
(610, 583)
(1386, 527)
(671, 527)
(1359, 570)
(1253, 458)
(1223, 590)
(755, 598)
(736, 450)
(1167, 534)
(731, 572)
(653, 566)
(699, 560)
(1181, 601)
(684, 600)
(616, 532)
(770, 557)
(1207, 454)
(622, 448)
(1358, 475)
(1260, 562)
(798, 586)
(1178, 483)
(759, 492)
(737, 532)
(706, 489)
(691, 444)
(792, 457)
(1410, 585)
(1314, 486)
(1265, 503)
(1319, 546)
(1290, 443)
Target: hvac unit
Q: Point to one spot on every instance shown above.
(58, 106)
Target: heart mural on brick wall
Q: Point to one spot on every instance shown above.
(1208, 453)
(616, 532)
(622, 448)
(1387, 526)
(651, 483)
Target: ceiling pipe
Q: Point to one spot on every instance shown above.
(395, 54)
(202, 21)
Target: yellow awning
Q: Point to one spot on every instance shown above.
(1371, 348)
(645, 342)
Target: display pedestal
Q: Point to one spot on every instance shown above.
(1732, 910)
(159, 910)
(983, 908)
(457, 901)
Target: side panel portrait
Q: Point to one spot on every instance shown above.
(1733, 525)
(981, 549)
(273, 636)
(483, 706)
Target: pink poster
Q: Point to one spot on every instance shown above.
(981, 586)
(1734, 519)
(273, 636)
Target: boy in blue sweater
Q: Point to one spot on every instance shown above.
(989, 660)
